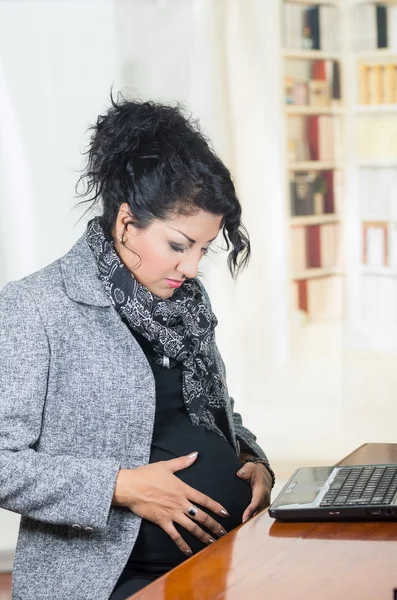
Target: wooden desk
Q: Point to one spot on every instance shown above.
(264, 559)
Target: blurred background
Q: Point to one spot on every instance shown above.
(300, 101)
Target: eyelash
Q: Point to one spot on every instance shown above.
(179, 249)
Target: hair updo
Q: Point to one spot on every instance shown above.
(156, 160)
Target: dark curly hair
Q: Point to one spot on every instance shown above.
(155, 159)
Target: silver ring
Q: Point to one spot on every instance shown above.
(192, 512)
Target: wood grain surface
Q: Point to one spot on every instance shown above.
(300, 561)
(265, 559)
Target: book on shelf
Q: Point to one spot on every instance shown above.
(314, 138)
(310, 28)
(298, 249)
(314, 192)
(315, 246)
(323, 134)
(298, 147)
(377, 192)
(376, 26)
(377, 83)
(393, 247)
(301, 193)
(321, 298)
(312, 83)
(380, 245)
(319, 93)
(333, 191)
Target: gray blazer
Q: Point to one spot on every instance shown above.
(77, 403)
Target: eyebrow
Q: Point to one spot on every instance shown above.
(190, 239)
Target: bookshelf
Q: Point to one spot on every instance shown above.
(373, 264)
(379, 271)
(376, 108)
(314, 273)
(310, 55)
(378, 54)
(314, 112)
(312, 165)
(347, 245)
(318, 3)
(315, 219)
(391, 163)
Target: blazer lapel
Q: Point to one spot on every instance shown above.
(80, 275)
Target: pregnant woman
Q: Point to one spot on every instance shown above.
(118, 441)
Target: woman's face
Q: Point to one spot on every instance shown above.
(167, 251)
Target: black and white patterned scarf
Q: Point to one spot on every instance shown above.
(180, 328)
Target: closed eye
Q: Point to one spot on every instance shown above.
(178, 248)
(182, 249)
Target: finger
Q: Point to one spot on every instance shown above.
(208, 522)
(203, 500)
(247, 514)
(177, 538)
(182, 462)
(254, 504)
(195, 530)
(246, 471)
(261, 492)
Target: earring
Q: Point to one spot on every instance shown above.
(122, 235)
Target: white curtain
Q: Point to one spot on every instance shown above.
(221, 59)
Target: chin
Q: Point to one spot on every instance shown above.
(163, 294)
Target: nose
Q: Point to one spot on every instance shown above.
(189, 266)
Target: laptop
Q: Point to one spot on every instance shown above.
(360, 492)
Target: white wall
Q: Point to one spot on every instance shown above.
(57, 63)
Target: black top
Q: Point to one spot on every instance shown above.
(213, 473)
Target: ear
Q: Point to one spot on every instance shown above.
(124, 217)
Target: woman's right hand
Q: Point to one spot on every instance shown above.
(154, 493)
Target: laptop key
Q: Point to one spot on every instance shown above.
(337, 484)
(341, 500)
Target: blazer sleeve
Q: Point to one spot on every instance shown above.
(245, 437)
(63, 489)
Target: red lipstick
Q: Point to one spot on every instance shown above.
(174, 283)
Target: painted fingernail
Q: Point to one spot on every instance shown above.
(193, 455)
(188, 552)
(211, 540)
(222, 532)
(246, 519)
(224, 512)
(241, 472)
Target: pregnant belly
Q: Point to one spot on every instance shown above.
(213, 474)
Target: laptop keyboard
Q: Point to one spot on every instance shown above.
(362, 485)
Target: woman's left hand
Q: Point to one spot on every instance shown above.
(260, 481)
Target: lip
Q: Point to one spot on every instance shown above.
(174, 283)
